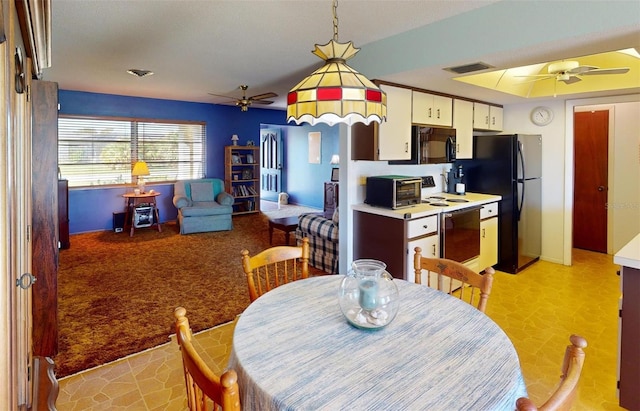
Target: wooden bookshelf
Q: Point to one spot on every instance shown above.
(242, 177)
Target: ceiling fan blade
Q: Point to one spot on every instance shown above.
(222, 95)
(535, 79)
(263, 96)
(582, 69)
(619, 70)
(262, 102)
(571, 80)
(537, 75)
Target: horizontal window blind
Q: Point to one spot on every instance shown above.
(98, 151)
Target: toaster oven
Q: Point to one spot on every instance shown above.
(393, 191)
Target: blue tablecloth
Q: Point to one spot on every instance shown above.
(294, 350)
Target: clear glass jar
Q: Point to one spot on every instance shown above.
(368, 296)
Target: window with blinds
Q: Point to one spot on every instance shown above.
(102, 151)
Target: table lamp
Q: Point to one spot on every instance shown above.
(140, 169)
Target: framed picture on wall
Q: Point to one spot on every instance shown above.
(335, 174)
(235, 159)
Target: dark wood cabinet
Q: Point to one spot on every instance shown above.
(63, 214)
(330, 198)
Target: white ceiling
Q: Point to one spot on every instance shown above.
(212, 46)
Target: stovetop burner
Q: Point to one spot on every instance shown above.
(435, 198)
(457, 200)
(440, 204)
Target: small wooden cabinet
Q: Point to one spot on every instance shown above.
(330, 198)
(242, 177)
(486, 117)
(63, 214)
(431, 109)
(390, 140)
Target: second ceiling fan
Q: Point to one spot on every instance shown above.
(570, 72)
(244, 102)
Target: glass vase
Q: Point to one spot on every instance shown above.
(368, 296)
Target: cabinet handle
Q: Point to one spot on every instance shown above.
(486, 120)
(483, 233)
(434, 250)
(425, 226)
(429, 112)
(406, 147)
(493, 121)
(438, 112)
(458, 148)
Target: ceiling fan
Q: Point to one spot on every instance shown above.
(570, 72)
(244, 102)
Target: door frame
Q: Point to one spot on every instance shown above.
(570, 106)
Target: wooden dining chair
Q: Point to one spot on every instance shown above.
(204, 387)
(454, 278)
(564, 395)
(275, 266)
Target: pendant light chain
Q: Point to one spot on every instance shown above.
(335, 20)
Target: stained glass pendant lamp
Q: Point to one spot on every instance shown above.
(336, 93)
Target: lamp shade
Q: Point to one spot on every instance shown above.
(336, 93)
(335, 159)
(140, 169)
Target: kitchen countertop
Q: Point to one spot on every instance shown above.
(629, 255)
(424, 210)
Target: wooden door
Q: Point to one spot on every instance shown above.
(270, 164)
(591, 135)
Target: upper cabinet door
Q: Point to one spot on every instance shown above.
(486, 117)
(394, 138)
(430, 109)
(463, 123)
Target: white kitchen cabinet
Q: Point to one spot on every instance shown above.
(390, 140)
(431, 109)
(463, 123)
(488, 236)
(486, 117)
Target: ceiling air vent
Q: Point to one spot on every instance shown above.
(469, 68)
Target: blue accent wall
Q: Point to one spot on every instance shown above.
(91, 209)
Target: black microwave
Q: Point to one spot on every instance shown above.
(431, 145)
(393, 191)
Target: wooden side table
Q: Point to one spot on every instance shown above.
(284, 224)
(133, 200)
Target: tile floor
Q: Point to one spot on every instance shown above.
(538, 309)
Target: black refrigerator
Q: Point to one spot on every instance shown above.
(510, 166)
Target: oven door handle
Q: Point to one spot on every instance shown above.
(449, 214)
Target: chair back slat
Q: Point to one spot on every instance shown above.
(274, 267)
(454, 278)
(203, 386)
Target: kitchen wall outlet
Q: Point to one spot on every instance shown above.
(363, 180)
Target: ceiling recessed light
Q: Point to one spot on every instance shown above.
(140, 73)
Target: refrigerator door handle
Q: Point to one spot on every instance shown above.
(521, 180)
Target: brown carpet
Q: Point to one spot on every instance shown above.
(116, 293)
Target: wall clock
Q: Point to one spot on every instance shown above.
(541, 116)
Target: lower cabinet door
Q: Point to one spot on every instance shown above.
(488, 243)
(430, 248)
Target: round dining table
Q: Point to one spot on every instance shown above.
(294, 350)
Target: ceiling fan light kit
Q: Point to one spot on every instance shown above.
(336, 93)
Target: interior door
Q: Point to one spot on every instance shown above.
(590, 180)
(270, 164)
